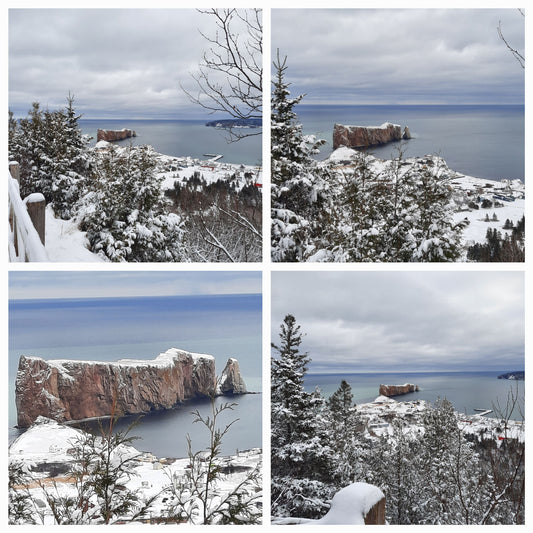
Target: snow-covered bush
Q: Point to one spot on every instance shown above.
(125, 214)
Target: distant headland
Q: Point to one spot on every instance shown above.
(518, 375)
(236, 123)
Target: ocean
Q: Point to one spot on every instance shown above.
(108, 329)
(182, 138)
(466, 391)
(484, 141)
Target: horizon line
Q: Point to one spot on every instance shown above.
(133, 296)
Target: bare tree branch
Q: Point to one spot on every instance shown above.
(229, 79)
(516, 54)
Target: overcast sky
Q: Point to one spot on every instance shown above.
(401, 56)
(404, 321)
(118, 63)
(50, 284)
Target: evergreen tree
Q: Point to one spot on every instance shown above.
(295, 175)
(299, 460)
(394, 466)
(344, 431)
(290, 149)
(439, 237)
(53, 155)
(457, 491)
(21, 506)
(125, 215)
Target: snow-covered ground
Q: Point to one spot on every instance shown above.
(379, 413)
(510, 194)
(64, 242)
(48, 442)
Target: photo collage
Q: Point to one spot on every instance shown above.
(291, 239)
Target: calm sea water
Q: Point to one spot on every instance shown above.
(108, 329)
(182, 138)
(481, 141)
(465, 390)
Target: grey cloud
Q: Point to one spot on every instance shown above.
(122, 62)
(401, 56)
(404, 320)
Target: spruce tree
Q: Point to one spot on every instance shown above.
(345, 433)
(53, 156)
(299, 458)
(295, 175)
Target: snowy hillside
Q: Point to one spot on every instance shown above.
(65, 242)
(45, 453)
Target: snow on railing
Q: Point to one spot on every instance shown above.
(356, 504)
(26, 222)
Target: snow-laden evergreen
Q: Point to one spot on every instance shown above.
(300, 452)
(53, 155)
(125, 215)
(294, 175)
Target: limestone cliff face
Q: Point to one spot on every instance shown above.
(74, 390)
(231, 381)
(364, 136)
(114, 135)
(396, 390)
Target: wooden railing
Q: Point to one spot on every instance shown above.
(26, 222)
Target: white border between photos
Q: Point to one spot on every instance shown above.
(266, 267)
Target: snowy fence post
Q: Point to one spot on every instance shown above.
(36, 206)
(376, 515)
(357, 504)
(14, 170)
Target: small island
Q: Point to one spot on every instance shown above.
(518, 375)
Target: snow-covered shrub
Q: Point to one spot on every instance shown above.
(125, 214)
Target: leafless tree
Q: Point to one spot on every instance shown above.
(229, 79)
(516, 54)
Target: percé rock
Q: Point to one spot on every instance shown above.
(397, 390)
(231, 381)
(114, 135)
(67, 390)
(364, 136)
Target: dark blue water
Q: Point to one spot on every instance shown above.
(465, 390)
(182, 138)
(482, 141)
(108, 329)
